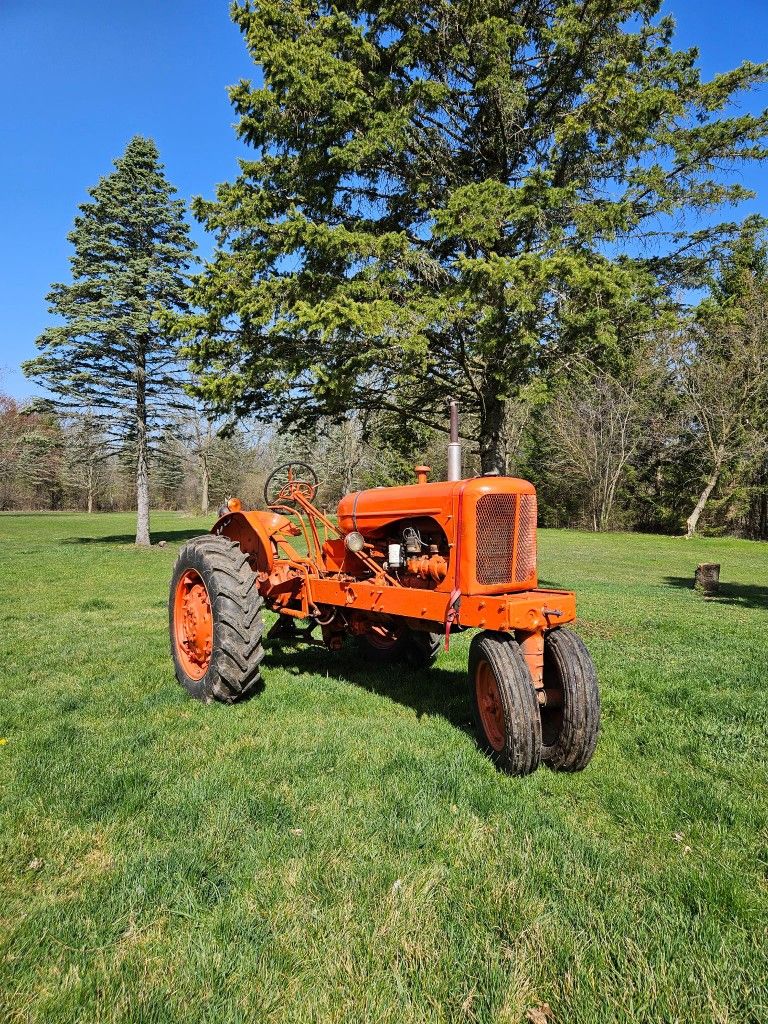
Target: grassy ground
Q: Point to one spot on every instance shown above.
(336, 849)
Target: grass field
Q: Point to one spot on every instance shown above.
(337, 849)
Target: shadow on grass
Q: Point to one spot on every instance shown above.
(430, 691)
(744, 595)
(128, 538)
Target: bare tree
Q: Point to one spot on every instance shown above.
(86, 451)
(217, 459)
(722, 371)
(596, 423)
(199, 441)
(518, 416)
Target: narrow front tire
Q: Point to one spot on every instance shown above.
(570, 727)
(504, 700)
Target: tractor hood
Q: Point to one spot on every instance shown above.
(372, 511)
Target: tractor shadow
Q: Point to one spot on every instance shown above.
(431, 691)
(169, 536)
(742, 595)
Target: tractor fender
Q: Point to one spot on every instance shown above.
(253, 531)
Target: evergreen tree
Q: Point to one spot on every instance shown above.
(449, 198)
(111, 357)
(40, 462)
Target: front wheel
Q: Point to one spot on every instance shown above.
(571, 723)
(215, 621)
(505, 704)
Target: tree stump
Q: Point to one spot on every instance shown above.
(707, 579)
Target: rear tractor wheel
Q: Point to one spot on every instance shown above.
(505, 705)
(570, 724)
(384, 646)
(215, 621)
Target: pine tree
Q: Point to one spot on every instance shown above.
(111, 358)
(450, 198)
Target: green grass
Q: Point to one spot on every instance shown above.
(337, 849)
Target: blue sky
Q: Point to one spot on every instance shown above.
(78, 79)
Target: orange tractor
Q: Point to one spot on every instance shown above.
(401, 570)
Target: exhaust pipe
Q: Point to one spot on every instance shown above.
(454, 447)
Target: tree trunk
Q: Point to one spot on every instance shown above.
(205, 481)
(142, 468)
(693, 519)
(493, 456)
(89, 485)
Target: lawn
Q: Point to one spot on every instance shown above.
(337, 849)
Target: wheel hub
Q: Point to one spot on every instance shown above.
(489, 705)
(194, 624)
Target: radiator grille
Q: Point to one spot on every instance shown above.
(495, 537)
(496, 562)
(526, 538)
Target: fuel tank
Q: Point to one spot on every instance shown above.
(373, 510)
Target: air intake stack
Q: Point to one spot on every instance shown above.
(454, 447)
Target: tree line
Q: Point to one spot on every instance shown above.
(513, 204)
(55, 461)
(676, 432)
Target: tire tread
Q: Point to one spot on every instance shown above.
(521, 753)
(234, 672)
(577, 741)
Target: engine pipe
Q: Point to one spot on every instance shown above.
(454, 446)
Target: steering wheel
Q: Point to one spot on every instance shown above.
(285, 482)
